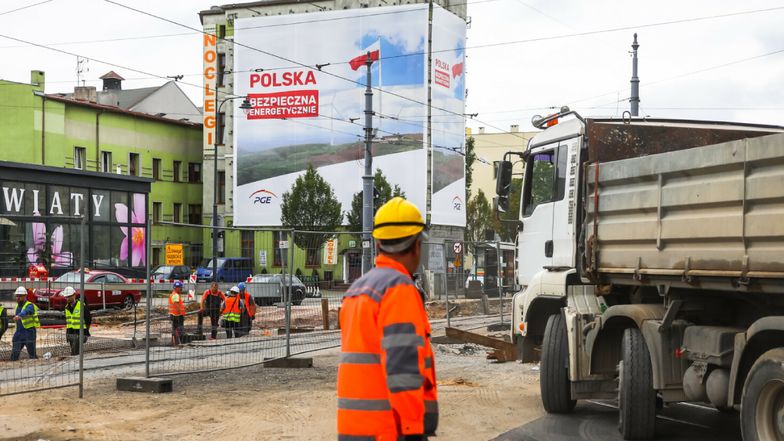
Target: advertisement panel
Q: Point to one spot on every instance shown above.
(448, 202)
(305, 76)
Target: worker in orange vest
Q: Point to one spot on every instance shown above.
(231, 311)
(386, 377)
(177, 313)
(247, 311)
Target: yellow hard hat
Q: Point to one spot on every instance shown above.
(396, 219)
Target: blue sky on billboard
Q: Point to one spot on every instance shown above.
(398, 66)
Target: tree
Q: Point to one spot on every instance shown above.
(479, 217)
(384, 192)
(311, 205)
(470, 158)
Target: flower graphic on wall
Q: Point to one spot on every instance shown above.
(48, 250)
(134, 241)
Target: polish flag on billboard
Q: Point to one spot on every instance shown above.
(457, 70)
(375, 54)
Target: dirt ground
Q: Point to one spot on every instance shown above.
(479, 399)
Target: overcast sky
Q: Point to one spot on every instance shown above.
(729, 68)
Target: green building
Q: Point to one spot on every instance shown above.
(153, 133)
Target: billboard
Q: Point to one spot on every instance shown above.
(307, 115)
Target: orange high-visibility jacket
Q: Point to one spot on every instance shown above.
(386, 376)
(250, 305)
(176, 305)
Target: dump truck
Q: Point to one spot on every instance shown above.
(650, 253)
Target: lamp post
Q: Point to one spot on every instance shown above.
(218, 135)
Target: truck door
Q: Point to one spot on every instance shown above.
(543, 188)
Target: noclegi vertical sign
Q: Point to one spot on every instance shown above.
(305, 115)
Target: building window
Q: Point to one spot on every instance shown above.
(156, 256)
(247, 244)
(194, 172)
(106, 162)
(220, 80)
(194, 214)
(176, 171)
(313, 257)
(156, 169)
(79, 156)
(156, 212)
(221, 187)
(133, 164)
(277, 236)
(222, 128)
(177, 212)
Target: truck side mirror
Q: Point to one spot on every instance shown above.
(501, 204)
(503, 180)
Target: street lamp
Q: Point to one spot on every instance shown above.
(218, 135)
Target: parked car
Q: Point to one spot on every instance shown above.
(50, 298)
(171, 272)
(230, 269)
(267, 289)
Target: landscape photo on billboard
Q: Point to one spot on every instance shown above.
(273, 147)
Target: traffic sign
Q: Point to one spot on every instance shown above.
(457, 248)
(192, 278)
(457, 261)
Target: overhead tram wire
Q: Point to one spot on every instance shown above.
(25, 7)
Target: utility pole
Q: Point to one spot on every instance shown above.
(367, 179)
(635, 96)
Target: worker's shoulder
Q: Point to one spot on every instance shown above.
(377, 281)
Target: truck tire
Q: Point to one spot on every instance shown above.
(554, 381)
(762, 402)
(636, 396)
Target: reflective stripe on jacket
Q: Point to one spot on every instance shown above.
(74, 317)
(29, 320)
(231, 309)
(386, 376)
(176, 305)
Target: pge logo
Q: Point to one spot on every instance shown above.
(457, 203)
(262, 196)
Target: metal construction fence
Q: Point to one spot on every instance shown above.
(294, 283)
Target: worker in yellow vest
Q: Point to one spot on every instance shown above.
(177, 313)
(26, 318)
(231, 312)
(73, 312)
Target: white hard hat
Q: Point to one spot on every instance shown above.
(21, 291)
(68, 291)
(235, 289)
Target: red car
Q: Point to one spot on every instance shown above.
(50, 298)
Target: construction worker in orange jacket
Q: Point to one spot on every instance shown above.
(177, 313)
(386, 377)
(247, 311)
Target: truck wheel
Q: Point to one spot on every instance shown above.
(762, 403)
(554, 382)
(636, 397)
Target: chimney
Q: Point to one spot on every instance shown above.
(514, 128)
(481, 130)
(112, 81)
(85, 93)
(38, 79)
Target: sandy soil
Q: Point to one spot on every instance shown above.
(479, 399)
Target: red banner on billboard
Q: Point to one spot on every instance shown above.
(291, 104)
(442, 78)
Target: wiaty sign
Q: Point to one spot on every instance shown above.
(14, 201)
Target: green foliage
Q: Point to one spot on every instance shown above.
(311, 205)
(508, 229)
(479, 217)
(385, 192)
(470, 158)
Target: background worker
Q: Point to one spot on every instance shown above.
(386, 376)
(73, 311)
(210, 305)
(26, 318)
(247, 311)
(177, 313)
(231, 311)
(3, 321)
